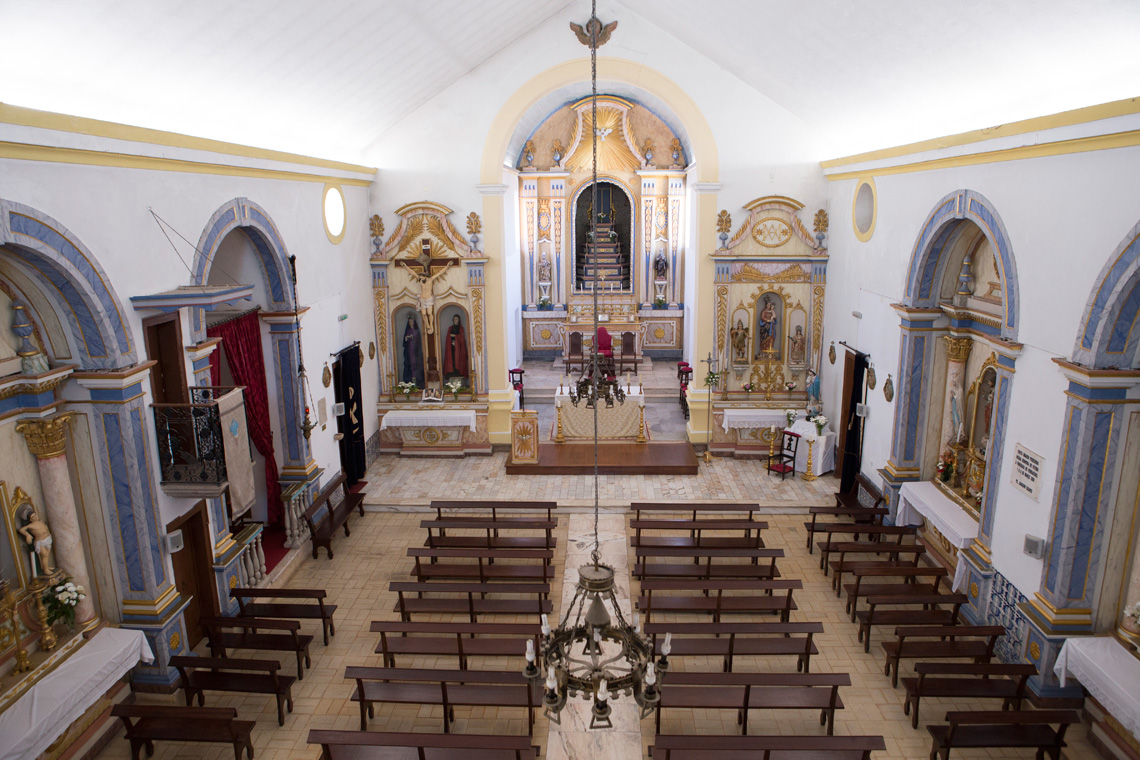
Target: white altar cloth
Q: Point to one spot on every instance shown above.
(429, 418)
(823, 450)
(37, 718)
(919, 500)
(622, 421)
(1108, 671)
(754, 418)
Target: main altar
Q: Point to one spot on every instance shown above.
(769, 282)
(622, 421)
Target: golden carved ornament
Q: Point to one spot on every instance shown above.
(1034, 651)
(872, 378)
(831, 353)
(175, 640)
(546, 334)
(889, 389)
(771, 232)
(974, 590)
(474, 224)
(326, 376)
(376, 226)
(817, 319)
(45, 437)
(794, 273)
(659, 333)
(724, 222)
(820, 223)
(233, 581)
(371, 350)
(957, 349)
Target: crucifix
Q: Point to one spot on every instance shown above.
(426, 278)
(772, 374)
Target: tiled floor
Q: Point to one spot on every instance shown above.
(375, 554)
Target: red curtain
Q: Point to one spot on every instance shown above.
(241, 340)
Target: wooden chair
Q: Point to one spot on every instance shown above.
(784, 461)
(574, 356)
(628, 357)
(517, 383)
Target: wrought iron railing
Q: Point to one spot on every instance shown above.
(190, 442)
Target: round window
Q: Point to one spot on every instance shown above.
(334, 213)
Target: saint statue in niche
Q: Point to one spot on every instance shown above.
(427, 294)
(767, 330)
(413, 371)
(38, 538)
(455, 350)
(660, 266)
(739, 339)
(797, 346)
(544, 268)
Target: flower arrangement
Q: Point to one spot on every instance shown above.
(790, 386)
(712, 379)
(748, 387)
(61, 600)
(544, 303)
(790, 416)
(659, 303)
(454, 385)
(945, 470)
(820, 423)
(406, 387)
(1131, 621)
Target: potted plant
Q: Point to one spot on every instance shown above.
(454, 385)
(659, 303)
(407, 388)
(61, 600)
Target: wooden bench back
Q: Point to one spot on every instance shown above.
(709, 629)
(543, 554)
(277, 593)
(494, 506)
(416, 587)
(423, 675)
(520, 746)
(727, 584)
(319, 510)
(190, 720)
(251, 624)
(761, 746)
(269, 667)
(493, 629)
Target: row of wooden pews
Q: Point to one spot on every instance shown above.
(710, 561)
(475, 590)
(887, 570)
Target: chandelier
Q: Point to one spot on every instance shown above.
(594, 652)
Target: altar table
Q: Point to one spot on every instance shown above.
(748, 419)
(45, 711)
(823, 450)
(1108, 671)
(429, 418)
(918, 500)
(622, 421)
(432, 432)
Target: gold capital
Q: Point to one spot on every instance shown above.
(45, 437)
(957, 349)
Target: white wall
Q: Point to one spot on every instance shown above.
(106, 208)
(1064, 215)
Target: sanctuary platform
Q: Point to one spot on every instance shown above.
(654, 458)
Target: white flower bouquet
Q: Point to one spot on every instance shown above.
(1132, 616)
(61, 601)
(454, 385)
(406, 387)
(790, 415)
(820, 423)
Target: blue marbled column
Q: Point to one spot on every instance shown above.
(122, 428)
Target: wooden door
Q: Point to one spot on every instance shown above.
(193, 570)
(841, 424)
(164, 347)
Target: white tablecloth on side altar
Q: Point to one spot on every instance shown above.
(37, 718)
(1108, 671)
(920, 500)
(754, 418)
(430, 418)
(823, 450)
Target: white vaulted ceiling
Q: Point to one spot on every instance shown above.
(329, 78)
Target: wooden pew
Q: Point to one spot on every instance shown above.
(894, 553)
(484, 569)
(466, 507)
(1029, 728)
(706, 747)
(973, 641)
(244, 633)
(324, 517)
(446, 688)
(694, 570)
(475, 604)
(731, 640)
(873, 533)
(718, 603)
(212, 725)
(910, 588)
(296, 610)
(930, 614)
(491, 538)
(382, 745)
(447, 639)
(966, 681)
(200, 674)
(851, 498)
(859, 515)
(755, 691)
(694, 510)
(696, 528)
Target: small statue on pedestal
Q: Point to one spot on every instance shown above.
(38, 537)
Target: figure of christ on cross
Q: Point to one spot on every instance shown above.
(427, 294)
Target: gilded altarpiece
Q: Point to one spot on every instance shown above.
(642, 207)
(768, 300)
(428, 296)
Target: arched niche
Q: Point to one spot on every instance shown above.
(457, 363)
(408, 338)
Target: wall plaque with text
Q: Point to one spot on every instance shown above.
(1028, 469)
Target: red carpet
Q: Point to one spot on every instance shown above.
(273, 545)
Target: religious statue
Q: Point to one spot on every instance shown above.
(38, 537)
(413, 370)
(660, 266)
(427, 294)
(987, 417)
(544, 268)
(455, 350)
(766, 328)
(812, 387)
(738, 336)
(797, 346)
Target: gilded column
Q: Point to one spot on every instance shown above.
(953, 403)
(45, 439)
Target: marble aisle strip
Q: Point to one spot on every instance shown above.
(573, 740)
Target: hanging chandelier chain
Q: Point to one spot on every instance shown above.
(595, 554)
